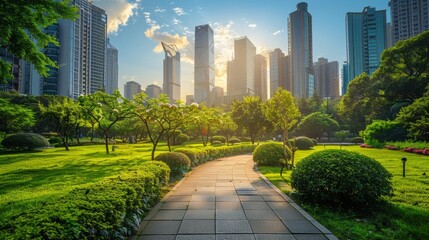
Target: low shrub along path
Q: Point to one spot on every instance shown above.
(227, 199)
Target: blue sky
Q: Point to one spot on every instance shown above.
(136, 26)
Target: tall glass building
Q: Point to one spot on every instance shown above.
(171, 83)
(301, 51)
(111, 68)
(366, 39)
(204, 74)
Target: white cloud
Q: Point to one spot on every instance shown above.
(161, 10)
(179, 11)
(176, 21)
(277, 32)
(153, 33)
(118, 12)
(253, 25)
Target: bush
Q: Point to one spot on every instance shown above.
(55, 140)
(303, 143)
(25, 141)
(314, 141)
(357, 140)
(181, 138)
(340, 177)
(190, 153)
(271, 154)
(381, 131)
(221, 139)
(217, 143)
(111, 209)
(178, 162)
(234, 140)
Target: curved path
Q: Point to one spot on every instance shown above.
(227, 199)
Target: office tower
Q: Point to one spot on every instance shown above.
(153, 91)
(242, 68)
(204, 74)
(326, 78)
(82, 51)
(261, 77)
(111, 68)
(131, 88)
(279, 71)
(346, 79)
(217, 96)
(408, 18)
(171, 84)
(366, 40)
(301, 51)
(389, 42)
(15, 83)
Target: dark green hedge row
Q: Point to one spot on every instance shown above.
(199, 156)
(111, 209)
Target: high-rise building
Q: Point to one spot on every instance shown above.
(326, 78)
(15, 83)
(82, 51)
(261, 77)
(366, 40)
(301, 51)
(389, 41)
(346, 79)
(204, 78)
(409, 18)
(217, 96)
(171, 84)
(111, 68)
(153, 91)
(279, 71)
(131, 88)
(242, 69)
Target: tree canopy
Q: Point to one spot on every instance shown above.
(14, 117)
(317, 123)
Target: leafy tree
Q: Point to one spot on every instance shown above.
(106, 110)
(283, 113)
(63, 115)
(315, 124)
(415, 118)
(227, 126)
(249, 114)
(205, 119)
(381, 131)
(23, 21)
(14, 117)
(309, 105)
(175, 119)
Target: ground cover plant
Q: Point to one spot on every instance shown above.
(404, 216)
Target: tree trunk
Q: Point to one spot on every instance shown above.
(284, 139)
(92, 132)
(106, 138)
(153, 150)
(66, 146)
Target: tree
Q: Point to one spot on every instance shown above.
(415, 118)
(249, 114)
(106, 110)
(14, 117)
(227, 126)
(205, 119)
(317, 123)
(64, 115)
(283, 113)
(23, 21)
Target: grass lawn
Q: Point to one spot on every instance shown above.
(405, 216)
(33, 178)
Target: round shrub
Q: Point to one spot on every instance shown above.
(190, 153)
(181, 138)
(271, 154)
(314, 141)
(25, 141)
(340, 177)
(303, 143)
(217, 143)
(357, 140)
(382, 131)
(221, 139)
(178, 162)
(234, 140)
(55, 140)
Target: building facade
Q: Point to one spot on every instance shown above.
(326, 78)
(261, 77)
(171, 83)
(153, 91)
(366, 40)
(111, 68)
(408, 18)
(204, 73)
(131, 88)
(345, 78)
(300, 46)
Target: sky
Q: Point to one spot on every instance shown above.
(136, 27)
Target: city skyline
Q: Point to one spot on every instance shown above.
(146, 23)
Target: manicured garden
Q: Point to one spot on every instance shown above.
(403, 216)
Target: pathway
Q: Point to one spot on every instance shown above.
(227, 199)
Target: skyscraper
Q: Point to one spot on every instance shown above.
(366, 40)
(111, 68)
(261, 77)
(131, 88)
(301, 51)
(153, 91)
(409, 18)
(98, 49)
(171, 84)
(345, 77)
(204, 74)
(326, 78)
(279, 71)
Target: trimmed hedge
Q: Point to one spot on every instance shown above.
(111, 209)
(178, 162)
(181, 138)
(234, 140)
(271, 154)
(302, 143)
(25, 141)
(340, 177)
(221, 139)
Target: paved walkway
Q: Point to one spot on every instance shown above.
(228, 199)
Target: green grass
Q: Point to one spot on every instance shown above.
(404, 216)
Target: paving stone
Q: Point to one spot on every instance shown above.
(254, 192)
(251, 198)
(202, 198)
(201, 206)
(255, 205)
(300, 226)
(196, 237)
(235, 237)
(225, 192)
(227, 198)
(274, 237)
(233, 226)
(169, 215)
(229, 205)
(273, 198)
(268, 226)
(261, 214)
(197, 227)
(179, 198)
(175, 205)
(156, 237)
(225, 188)
(161, 227)
(285, 211)
(199, 214)
(309, 237)
(230, 214)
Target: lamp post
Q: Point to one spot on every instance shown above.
(403, 166)
(327, 104)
